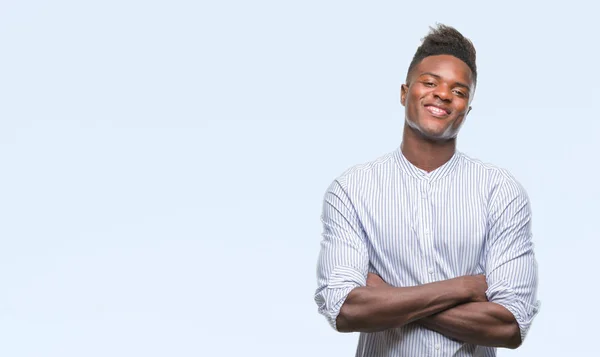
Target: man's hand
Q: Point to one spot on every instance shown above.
(477, 286)
(374, 280)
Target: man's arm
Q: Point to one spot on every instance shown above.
(343, 295)
(478, 323)
(511, 273)
(377, 308)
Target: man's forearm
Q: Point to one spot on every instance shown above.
(376, 308)
(479, 323)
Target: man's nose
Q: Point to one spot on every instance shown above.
(443, 92)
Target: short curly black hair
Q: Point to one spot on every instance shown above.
(445, 40)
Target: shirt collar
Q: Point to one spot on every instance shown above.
(448, 167)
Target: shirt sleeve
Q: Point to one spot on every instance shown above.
(343, 259)
(511, 268)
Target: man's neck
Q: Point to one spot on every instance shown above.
(426, 154)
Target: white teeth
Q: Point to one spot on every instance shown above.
(436, 110)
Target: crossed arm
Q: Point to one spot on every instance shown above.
(464, 308)
(479, 323)
(457, 308)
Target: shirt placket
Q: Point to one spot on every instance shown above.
(427, 237)
(427, 231)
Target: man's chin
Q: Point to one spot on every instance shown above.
(436, 137)
(433, 134)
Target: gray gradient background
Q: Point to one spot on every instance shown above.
(163, 163)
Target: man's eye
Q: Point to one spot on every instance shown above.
(429, 84)
(459, 93)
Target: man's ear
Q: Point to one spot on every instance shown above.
(468, 111)
(403, 91)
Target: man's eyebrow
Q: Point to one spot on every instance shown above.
(460, 84)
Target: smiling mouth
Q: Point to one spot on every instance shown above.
(436, 111)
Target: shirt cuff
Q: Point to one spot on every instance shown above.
(501, 294)
(331, 298)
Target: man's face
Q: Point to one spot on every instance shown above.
(437, 96)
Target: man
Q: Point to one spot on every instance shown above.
(425, 251)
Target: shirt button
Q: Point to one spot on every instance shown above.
(427, 231)
(430, 270)
(437, 347)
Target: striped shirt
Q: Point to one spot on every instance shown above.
(412, 227)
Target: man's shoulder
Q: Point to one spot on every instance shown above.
(488, 169)
(493, 174)
(368, 170)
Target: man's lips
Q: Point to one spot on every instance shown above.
(437, 111)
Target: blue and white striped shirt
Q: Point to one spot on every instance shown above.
(412, 227)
